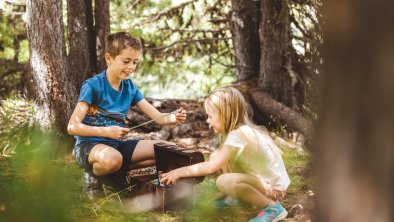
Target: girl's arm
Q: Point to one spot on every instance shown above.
(153, 113)
(200, 169)
(77, 128)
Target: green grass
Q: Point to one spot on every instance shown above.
(40, 182)
(298, 165)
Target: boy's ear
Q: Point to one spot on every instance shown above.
(108, 58)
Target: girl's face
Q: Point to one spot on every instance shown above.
(124, 64)
(214, 120)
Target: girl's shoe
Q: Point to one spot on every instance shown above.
(274, 212)
(225, 202)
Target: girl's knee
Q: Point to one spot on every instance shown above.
(225, 183)
(241, 188)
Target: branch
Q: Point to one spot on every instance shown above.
(16, 2)
(298, 26)
(185, 41)
(14, 67)
(267, 105)
(169, 11)
(196, 30)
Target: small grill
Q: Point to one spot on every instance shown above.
(178, 196)
(167, 198)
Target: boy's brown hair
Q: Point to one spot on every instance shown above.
(118, 41)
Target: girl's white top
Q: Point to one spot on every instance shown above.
(258, 155)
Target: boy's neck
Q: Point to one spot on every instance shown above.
(113, 81)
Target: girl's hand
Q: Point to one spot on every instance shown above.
(116, 132)
(180, 115)
(169, 178)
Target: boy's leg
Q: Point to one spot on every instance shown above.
(245, 187)
(144, 154)
(104, 159)
(91, 185)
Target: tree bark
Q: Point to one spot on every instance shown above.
(102, 24)
(246, 18)
(355, 155)
(48, 63)
(262, 42)
(92, 36)
(275, 64)
(78, 38)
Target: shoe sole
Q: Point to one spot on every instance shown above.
(281, 216)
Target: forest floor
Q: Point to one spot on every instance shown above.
(54, 193)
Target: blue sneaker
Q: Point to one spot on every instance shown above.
(274, 212)
(225, 202)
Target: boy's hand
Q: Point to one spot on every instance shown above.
(116, 132)
(180, 115)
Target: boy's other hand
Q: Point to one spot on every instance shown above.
(180, 115)
(116, 132)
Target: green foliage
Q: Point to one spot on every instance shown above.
(14, 115)
(186, 53)
(23, 55)
(13, 49)
(36, 185)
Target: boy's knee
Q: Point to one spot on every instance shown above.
(111, 165)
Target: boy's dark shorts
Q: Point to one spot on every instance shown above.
(126, 148)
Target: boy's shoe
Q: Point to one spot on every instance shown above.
(274, 212)
(225, 202)
(91, 186)
(117, 180)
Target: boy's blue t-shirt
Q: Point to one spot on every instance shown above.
(107, 106)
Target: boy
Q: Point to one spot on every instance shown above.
(98, 118)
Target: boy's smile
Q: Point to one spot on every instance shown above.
(124, 64)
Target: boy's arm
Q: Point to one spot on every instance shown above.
(77, 128)
(201, 169)
(153, 113)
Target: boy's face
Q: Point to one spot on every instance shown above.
(214, 120)
(124, 64)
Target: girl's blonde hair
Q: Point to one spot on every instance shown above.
(232, 109)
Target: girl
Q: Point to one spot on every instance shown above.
(254, 171)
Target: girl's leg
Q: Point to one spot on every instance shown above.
(105, 160)
(245, 187)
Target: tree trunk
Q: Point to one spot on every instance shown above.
(48, 63)
(262, 42)
(91, 36)
(275, 78)
(246, 18)
(78, 38)
(355, 155)
(102, 24)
